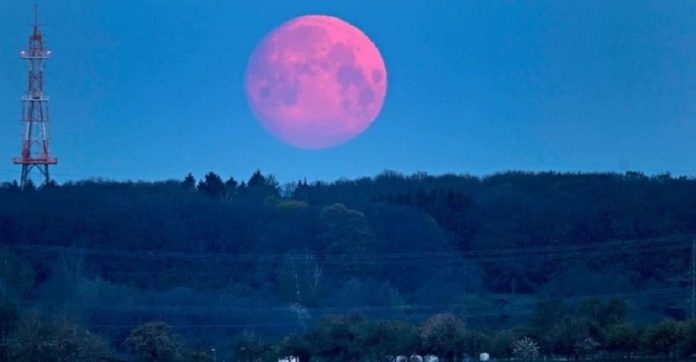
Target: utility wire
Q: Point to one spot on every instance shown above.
(195, 309)
(469, 312)
(670, 243)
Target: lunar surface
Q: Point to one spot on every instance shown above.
(316, 82)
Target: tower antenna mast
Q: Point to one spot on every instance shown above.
(35, 153)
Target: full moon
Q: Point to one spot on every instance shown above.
(316, 81)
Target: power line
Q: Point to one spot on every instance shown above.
(637, 246)
(524, 308)
(600, 249)
(78, 177)
(412, 263)
(196, 309)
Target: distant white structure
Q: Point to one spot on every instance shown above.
(483, 357)
(431, 358)
(289, 359)
(401, 359)
(415, 358)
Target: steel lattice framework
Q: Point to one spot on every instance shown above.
(35, 151)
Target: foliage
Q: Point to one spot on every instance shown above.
(249, 347)
(686, 347)
(567, 335)
(475, 342)
(586, 348)
(212, 186)
(340, 338)
(602, 313)
(663, 337)
(395, 338)
(236, 253)
(296, 346)
(345, 231)
(525, 349)
(501, 345)
(17, 276)
(621, 338)
(40, 339)
(443, 334)
(155, 341)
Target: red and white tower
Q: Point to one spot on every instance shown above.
(35, 152)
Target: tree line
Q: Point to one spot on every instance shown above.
(225, 254)
(596, 329)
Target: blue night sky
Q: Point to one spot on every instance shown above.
(153, 90)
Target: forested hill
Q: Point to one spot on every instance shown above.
(253, 252)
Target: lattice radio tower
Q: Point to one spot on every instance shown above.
(35, 152)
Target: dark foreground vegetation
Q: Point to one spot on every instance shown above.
(595, 331)
(255, 269)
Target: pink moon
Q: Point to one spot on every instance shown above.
(316, 81)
